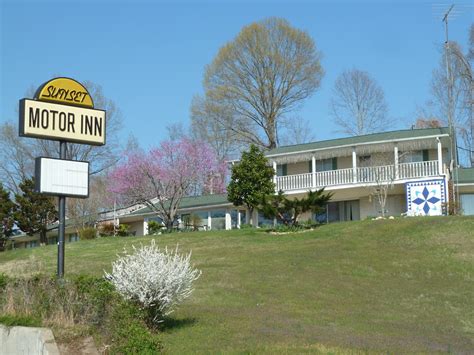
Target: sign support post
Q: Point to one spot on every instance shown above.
(62, 218)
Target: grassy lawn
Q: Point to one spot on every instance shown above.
(398, 286)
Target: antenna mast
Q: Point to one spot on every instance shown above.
(449, 81)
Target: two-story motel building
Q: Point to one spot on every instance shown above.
(414, 165)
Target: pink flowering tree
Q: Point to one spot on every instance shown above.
(160, 178)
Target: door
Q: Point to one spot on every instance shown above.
(351, 210)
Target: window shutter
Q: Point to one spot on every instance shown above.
(284, 169)
(310, 166)
(334, 163)
(426, 155)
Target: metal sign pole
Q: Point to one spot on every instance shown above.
(62, 219)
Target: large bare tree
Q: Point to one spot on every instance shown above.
(358, 104)
(261, 75)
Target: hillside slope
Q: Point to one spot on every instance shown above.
(405, 285)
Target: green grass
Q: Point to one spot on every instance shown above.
(398, 286)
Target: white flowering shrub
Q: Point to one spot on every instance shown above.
(157, 279)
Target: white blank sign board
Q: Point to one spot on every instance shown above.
(62, 177)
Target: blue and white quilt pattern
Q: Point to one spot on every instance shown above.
(426, 198)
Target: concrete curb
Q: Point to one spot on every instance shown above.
(27, 340)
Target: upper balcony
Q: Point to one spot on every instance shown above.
(388, 157)
(359, 176)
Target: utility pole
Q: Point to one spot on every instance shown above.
(452, 132)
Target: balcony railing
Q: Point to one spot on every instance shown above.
(361, 175)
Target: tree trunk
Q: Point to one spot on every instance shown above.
(43, 238)
(169, 225)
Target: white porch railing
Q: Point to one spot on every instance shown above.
(421, 169)
(363, 175)
(291, 182)
(375, 174)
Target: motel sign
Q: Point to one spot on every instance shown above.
(62, 110)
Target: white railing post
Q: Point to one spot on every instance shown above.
(395, 156)
(354, 165)
(440, 157)
(275, 175)
(313, 172)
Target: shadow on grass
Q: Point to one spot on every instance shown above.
(171, 324)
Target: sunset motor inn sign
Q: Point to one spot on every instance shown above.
(62, 110)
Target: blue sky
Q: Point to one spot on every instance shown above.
(150, 57)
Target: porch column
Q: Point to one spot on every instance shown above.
(239, 217)
(440, 157)
(145, 226)
(209, 220)
(313, 171)
(275, 175)
(395, 156)
(354, 165)
(255, 218)
(228, 220)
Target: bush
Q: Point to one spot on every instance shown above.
(285, 228)
(309, 224)
(154, 227)
(106, 230)
(77, 306)
(157, 280)
(122, 230)
(3, 281)
(62, 304)
(87, 233)
(129, 332)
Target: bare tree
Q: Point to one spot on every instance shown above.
(297, 131)
(17, 157)
(176, 131)
(470, 53)
(452, 90)
(378, 172)
(264, 73)
(358, 105)
(214, 124)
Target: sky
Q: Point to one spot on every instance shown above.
(150, 56)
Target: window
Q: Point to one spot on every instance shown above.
(282, 170)
(415, 156)
(364, 161)
(467, 204)
(263, 221)
(218, 219)
(326, 164)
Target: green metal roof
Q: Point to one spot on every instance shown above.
(192, 202)
(466, 176)
(365, 139)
